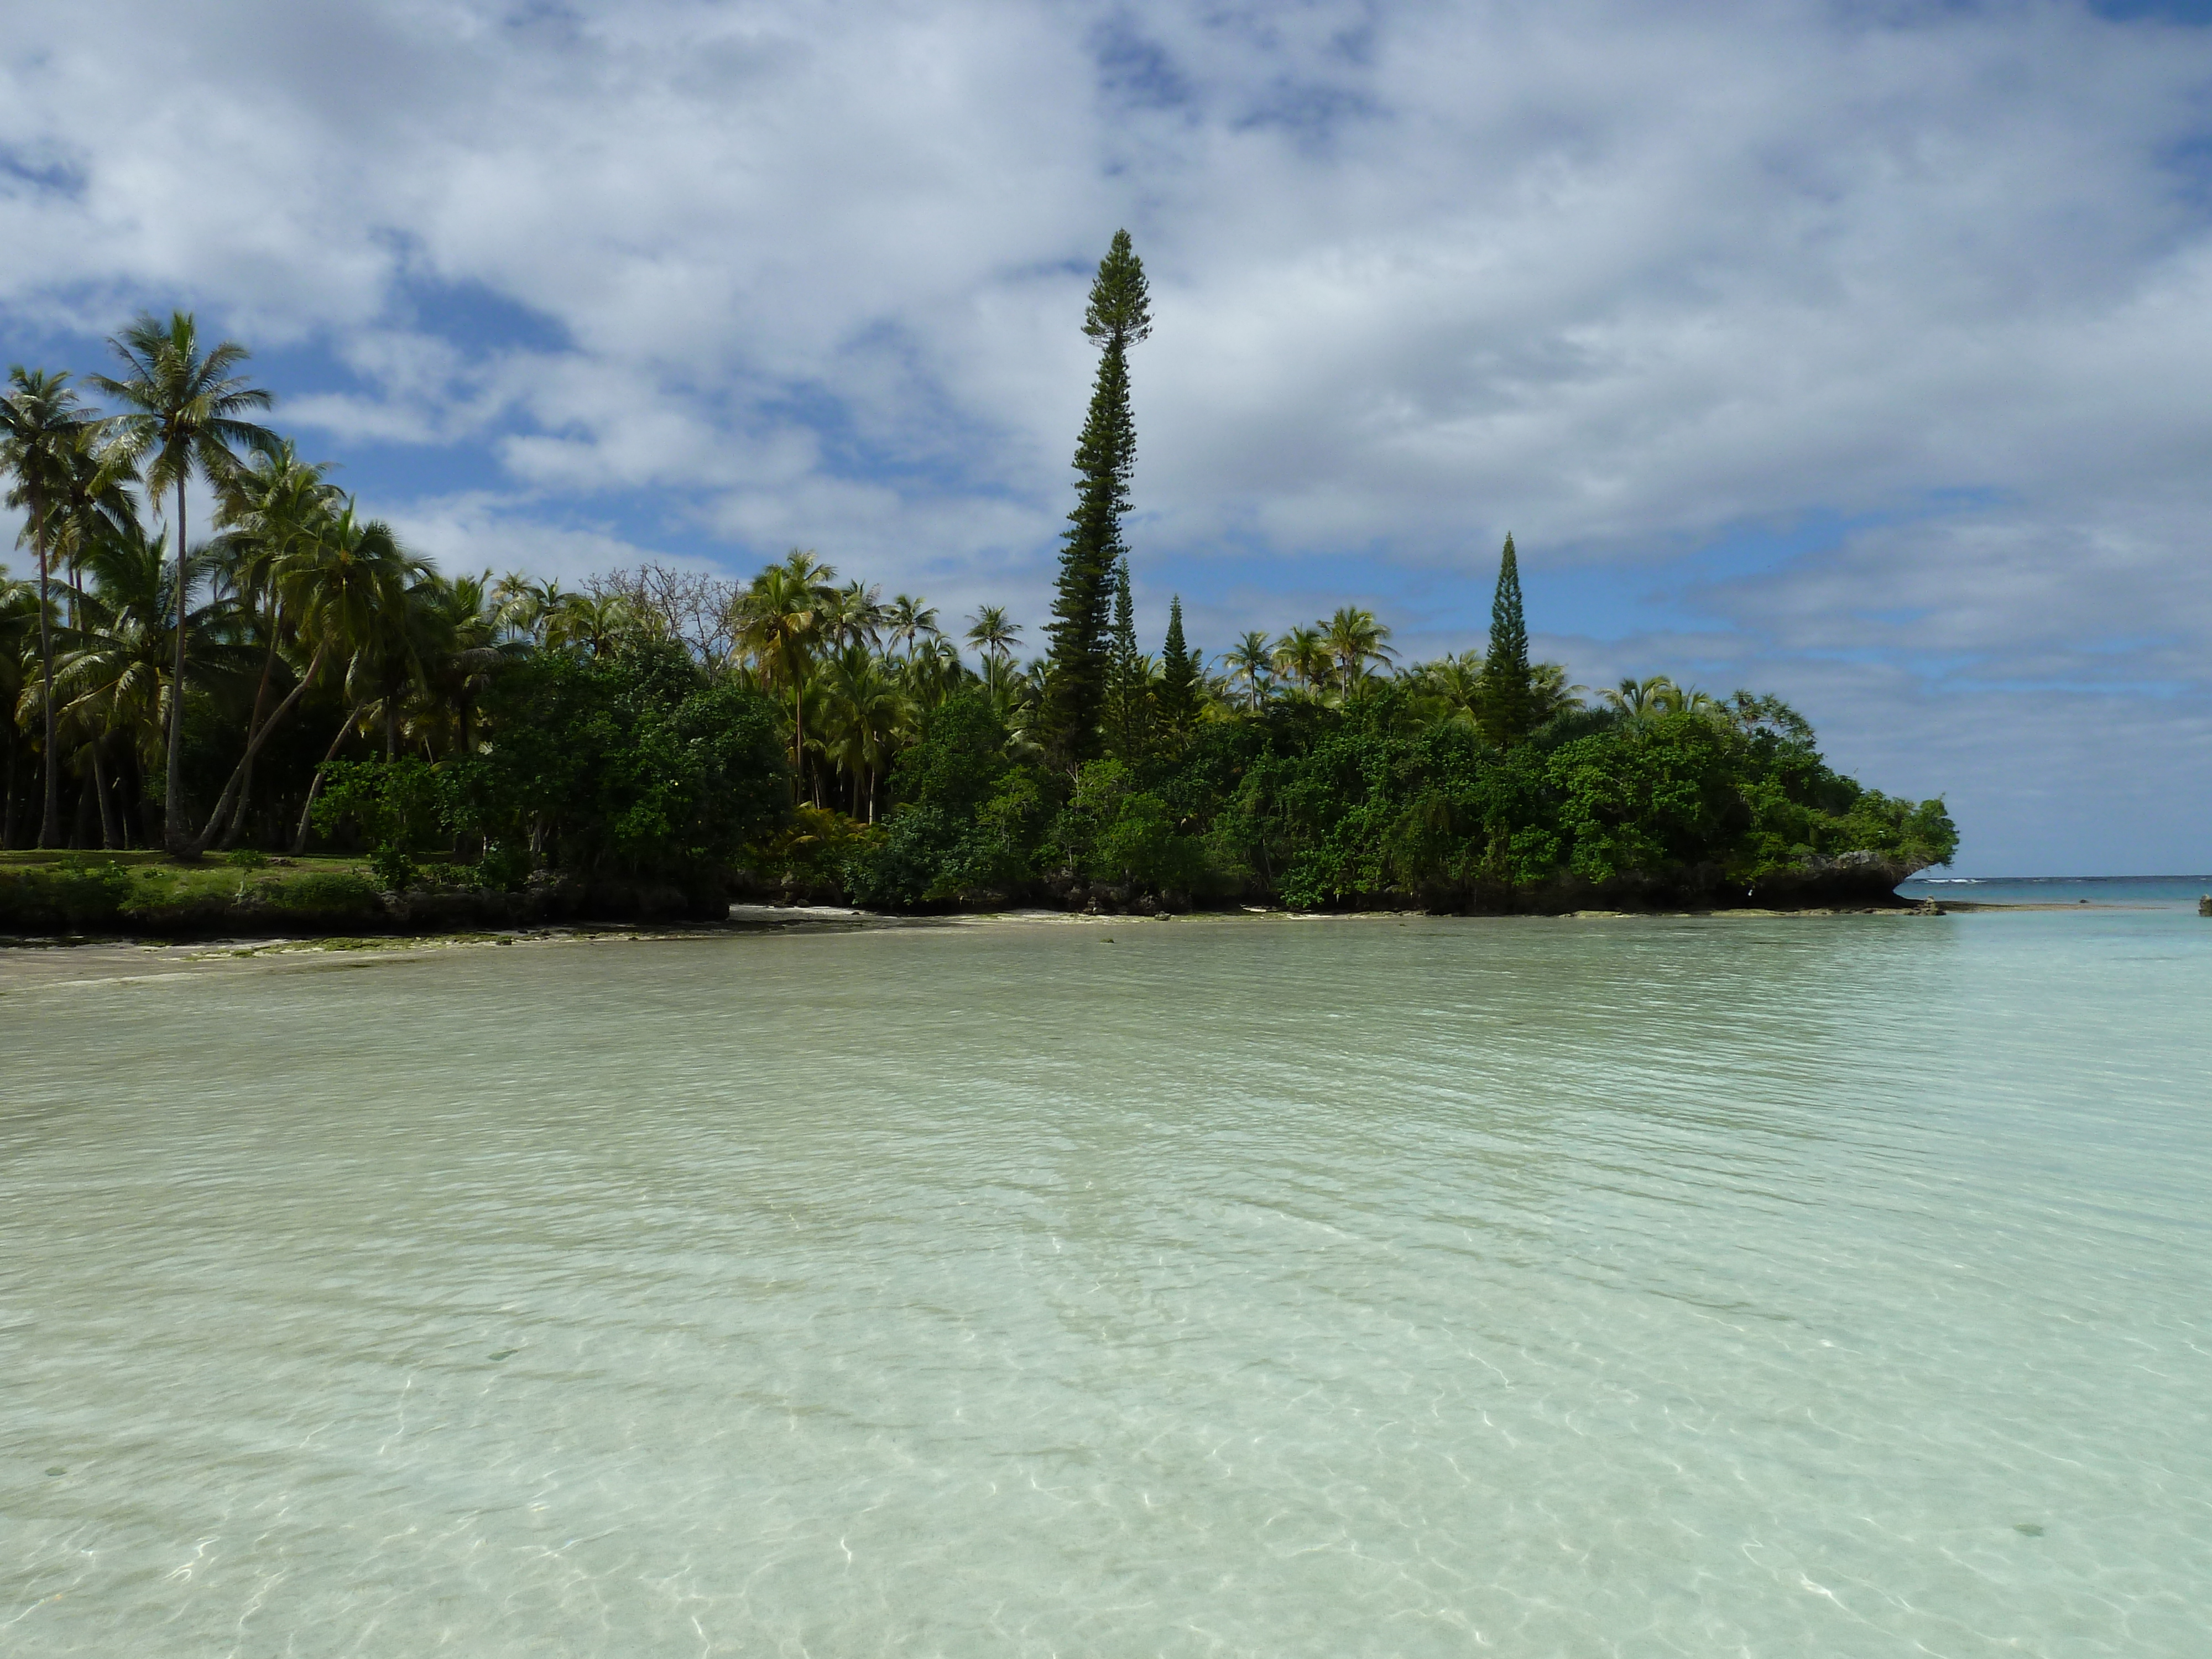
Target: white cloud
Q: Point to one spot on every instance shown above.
(481, 530)
(1623, 277)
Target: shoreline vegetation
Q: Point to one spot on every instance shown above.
(302, 728)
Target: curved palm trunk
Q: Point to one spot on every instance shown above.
(111, 827)
(233, 804)
(306, 812)
(238, 813)
(174, 836)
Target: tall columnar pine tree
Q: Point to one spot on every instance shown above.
(1126, 716)
(1507, 707)
(1119, 315)
(1178, 675)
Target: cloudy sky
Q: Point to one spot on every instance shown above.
(1860, 352)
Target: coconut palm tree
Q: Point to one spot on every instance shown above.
(1302, 654)
(119, 677)
(1011, 690)
(338, 585)
(993, 635)
(273, 513)
(1354, 638)
(1640, 700)
(1251, 663)
(19, 626)
(907, 619)
(95, 499)
(184, 413)
(865, 715)
(597, 624)
(42, 426)
(465, 628)
(854, 616)
(359, 602)
(1452, 690)
(933, 671)
(523, 607)
(1549, 693)
(780, 617)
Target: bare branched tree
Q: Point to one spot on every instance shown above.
(687, 606)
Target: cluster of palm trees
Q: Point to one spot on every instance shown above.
(1331, 658)
(856, 673)
(1649, 699)
(296, 593)
(299, 610)
(183, 415)
(1345, 657)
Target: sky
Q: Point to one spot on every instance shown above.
(1860, 352)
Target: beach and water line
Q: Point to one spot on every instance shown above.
(1236, 1285)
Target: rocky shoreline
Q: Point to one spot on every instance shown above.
(91, 902)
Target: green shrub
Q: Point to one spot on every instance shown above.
(394, 870)
(328, 895)
(504, 867)
(74, 893)
(247, 858)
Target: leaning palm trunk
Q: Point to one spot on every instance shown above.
(241, 810)
(232, 792)
(254, 726)
(300, 835)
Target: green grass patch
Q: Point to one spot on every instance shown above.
(78, 892)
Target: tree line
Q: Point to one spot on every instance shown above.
(301, 678)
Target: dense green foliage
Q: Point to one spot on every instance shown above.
(633, 765)
(1320, 807)
(630, 765)
(800, 736)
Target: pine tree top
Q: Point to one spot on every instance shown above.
(1125, 610)
(1178, 672)
(1121, 309)
(1509, 628)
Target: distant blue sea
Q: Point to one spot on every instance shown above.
(2166, 892)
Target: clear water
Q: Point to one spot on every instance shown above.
(1233, 1287)
(2164, 892)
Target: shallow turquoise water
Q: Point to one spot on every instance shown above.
(1637, 1287)
(2163, 892)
